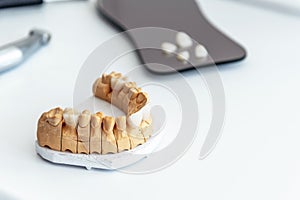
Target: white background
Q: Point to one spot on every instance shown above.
(256, 158)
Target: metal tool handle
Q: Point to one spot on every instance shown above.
(14, 53)
(13, 3)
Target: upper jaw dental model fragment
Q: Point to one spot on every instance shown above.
(75, 138)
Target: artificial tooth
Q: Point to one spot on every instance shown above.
(200, 51)
(96, 133)
(83, 130)
(184, 40)
(109, 144)
(135, 119)
(69, 132)
(122, 138)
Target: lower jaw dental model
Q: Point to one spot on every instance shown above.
(95, 140)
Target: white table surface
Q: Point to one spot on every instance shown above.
(256, 158)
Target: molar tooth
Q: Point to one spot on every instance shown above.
(50, 129)
(141, 97)
(133, 92)
(137, 103)
(54, 116)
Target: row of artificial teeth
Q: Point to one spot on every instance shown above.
(118, 91)
(74, 118)
(184, 41)
(87, 124)
(69, 130)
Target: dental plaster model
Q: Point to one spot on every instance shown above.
(85, 133)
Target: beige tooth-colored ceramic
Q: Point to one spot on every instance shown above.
(96, 133)
(83, 129)
(69, 131)
(122, 138)
(109, 144)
